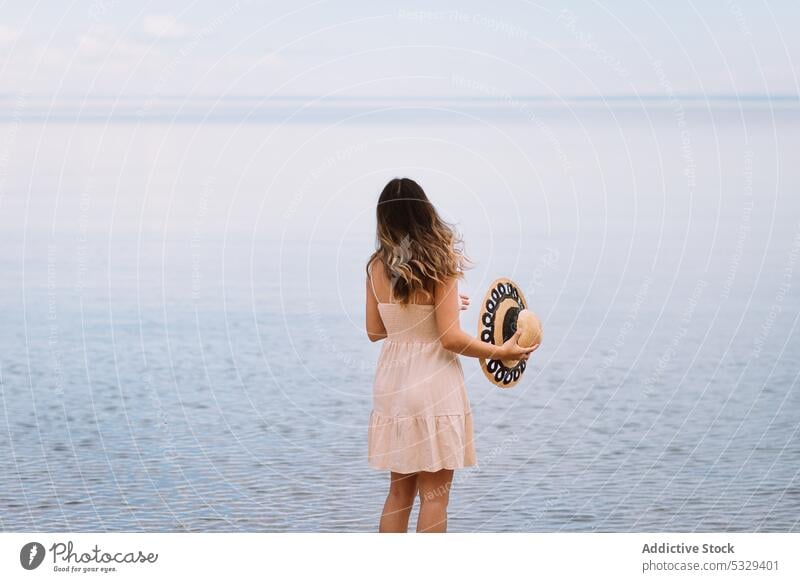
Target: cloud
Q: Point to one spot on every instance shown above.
(92, 47)
(163, 26)
(108, 46)
(8, 35)
(271, 60)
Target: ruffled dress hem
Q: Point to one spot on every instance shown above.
(410, 444)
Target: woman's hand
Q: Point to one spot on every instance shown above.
(511, 350)
(464, 301)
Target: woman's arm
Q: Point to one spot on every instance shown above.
(375, 328)
(454, 339)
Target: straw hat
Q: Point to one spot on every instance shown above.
(504, 309)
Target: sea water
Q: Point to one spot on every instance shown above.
(182, 342)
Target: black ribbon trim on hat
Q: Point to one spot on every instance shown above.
(502, 373)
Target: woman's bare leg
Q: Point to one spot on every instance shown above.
(402, 490)
(434, 493)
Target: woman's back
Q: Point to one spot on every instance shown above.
(409, 323)
(403, 321)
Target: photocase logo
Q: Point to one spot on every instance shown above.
(31, 555)
(67, 558)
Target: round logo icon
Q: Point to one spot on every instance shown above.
(31, 555)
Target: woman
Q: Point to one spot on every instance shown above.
(420, 426)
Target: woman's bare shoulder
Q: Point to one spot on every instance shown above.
(376, 266)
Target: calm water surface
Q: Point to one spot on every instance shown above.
(182, 345)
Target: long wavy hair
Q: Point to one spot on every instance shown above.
(417, 247)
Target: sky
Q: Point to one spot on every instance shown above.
(56, 51)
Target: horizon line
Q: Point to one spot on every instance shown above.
(791, 97)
